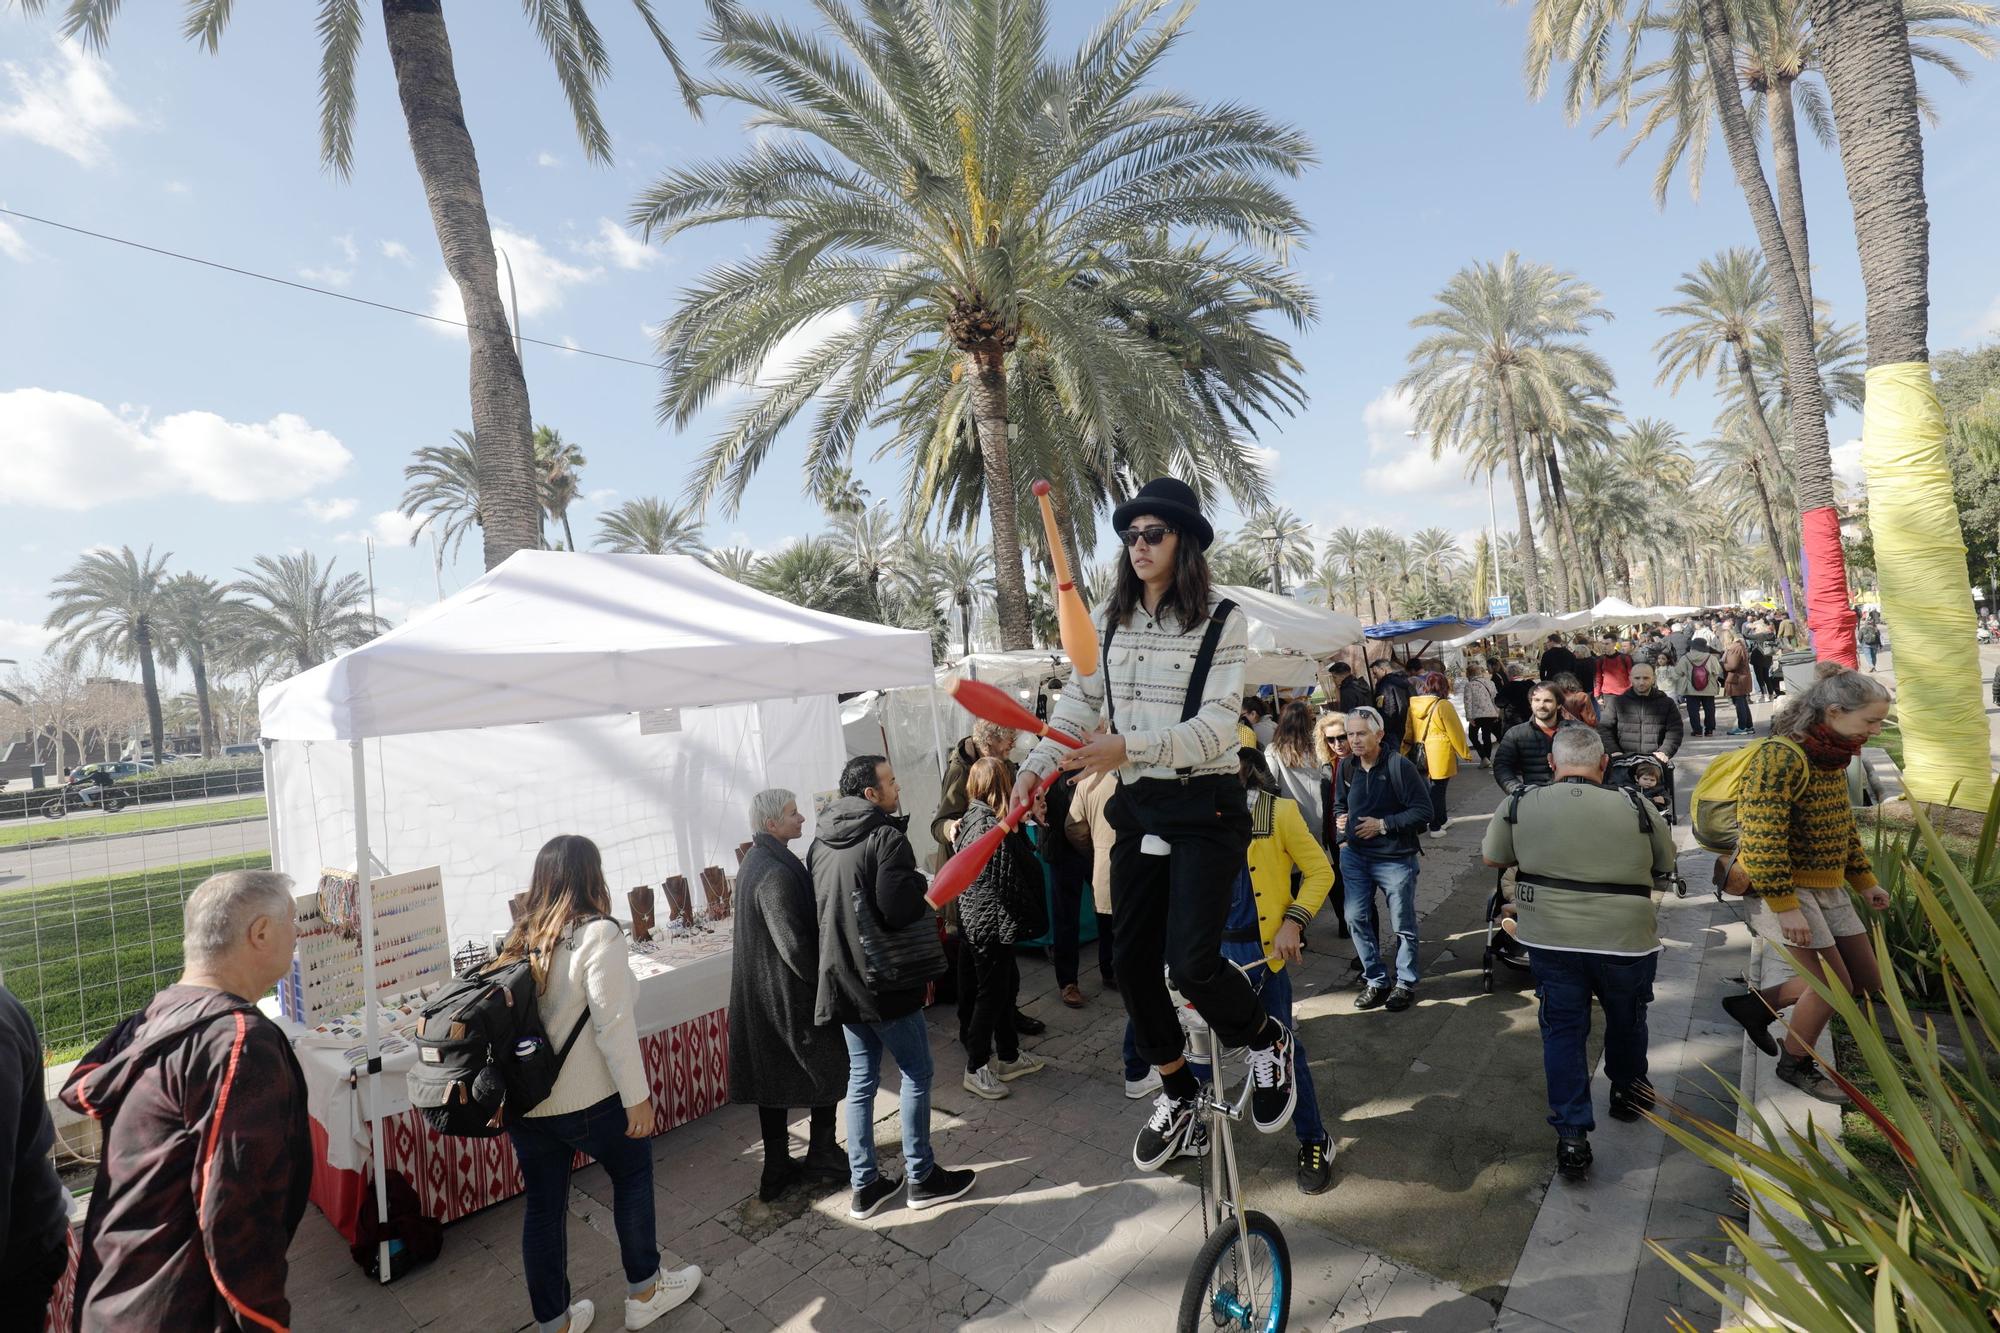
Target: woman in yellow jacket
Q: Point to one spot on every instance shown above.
(1434, 727)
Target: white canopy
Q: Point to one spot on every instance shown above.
(1286, 625)
(1618, 611)
(1021, 670)
(550, 635)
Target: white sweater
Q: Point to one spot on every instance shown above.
(590, 967)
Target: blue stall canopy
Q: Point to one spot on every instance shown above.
(1434, 630)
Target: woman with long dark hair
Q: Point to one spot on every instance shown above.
(1295, 764)
(1170, 686)
(601, 1103)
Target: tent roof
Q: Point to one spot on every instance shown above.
(1527, 624)
(1288, 625)
(558, 634)
(1438, 629)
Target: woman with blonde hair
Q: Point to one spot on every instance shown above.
(1799, 852)
(1435, 728)
(601, 1103)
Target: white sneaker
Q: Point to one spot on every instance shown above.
(983, 1082)
(1144, 1087)
(1437, 834)
(580, 1315)
(670, 1290)
(1009, 1070)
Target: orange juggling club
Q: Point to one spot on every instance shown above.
(993, 704)
(957, 874)
(1079, 636)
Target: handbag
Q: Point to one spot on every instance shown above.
(896, 959)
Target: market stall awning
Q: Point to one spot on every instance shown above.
(1439, 629)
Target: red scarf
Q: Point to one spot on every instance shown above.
(1827, 748)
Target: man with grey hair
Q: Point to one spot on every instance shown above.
(206, 1157)
(1381, 803)
(1588, 857)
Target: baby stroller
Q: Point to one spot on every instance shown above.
(1500, 946)
(1651, 779)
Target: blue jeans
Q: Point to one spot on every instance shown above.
(1871, 650)
(1564, 983)
(546, 1145)
(908, 1042)
(1396, 877)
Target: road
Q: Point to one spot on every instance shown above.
(27, 868)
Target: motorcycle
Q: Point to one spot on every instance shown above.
(73, 797)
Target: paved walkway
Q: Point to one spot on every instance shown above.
(1442, 1216)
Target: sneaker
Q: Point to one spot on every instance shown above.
(1371, 997)
(1028, 1026)
(1275, 1085)
(1743, 731)
(1630, 1099)
(1749, 1010)
(1315, 1167)
(983, 1082)
(868, 1200)
(942, 1185)
(1573, 1158)
(1400, 999)
(1165, 1130)
(1196, 1144)
(669, 1291)
(1072, 995)
(1009, 1070)
(1134, 1090)
(580, 1315)
(1802, 1072)
(1437, 833)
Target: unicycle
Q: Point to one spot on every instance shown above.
(1242, 1275)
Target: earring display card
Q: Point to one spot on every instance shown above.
(412, 951)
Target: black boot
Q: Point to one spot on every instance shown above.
(1573, 1157)
(824, 1157)
(780, 1174)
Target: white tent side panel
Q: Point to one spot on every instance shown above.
(480, 803)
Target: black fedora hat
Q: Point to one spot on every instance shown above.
(1172, 500)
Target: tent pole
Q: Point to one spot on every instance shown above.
(365, 897)
(937, 731)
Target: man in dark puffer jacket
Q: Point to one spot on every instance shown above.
(1522, 757)
(1641, 721)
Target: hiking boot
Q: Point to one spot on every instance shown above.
(1371, 997)
(983, 1082)
(1009, 1070)
(826, 1159)
(868, 1200)
(1165, 1131)
(1274, 1084)
(1400, 999)
(777, 1178)
(942, 1185)
(1315, 1167)
(1028, 1026)
(670, 1290)
(1803, 1073)
(1750, 1010)
(1628, 1100)
(1573, 1158)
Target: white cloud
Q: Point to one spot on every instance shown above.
(13, 244)
(335, 275)
(396, 250)
(1989, 323)
(65, 451)
(348, 247)
(23, 640)
(1266, 458)
(1404, 464)
(600, 497)
(1847, 463)
(540, 279)
(331, 510)
(391, 527)
(547, 159)
(619, 247)
(570, 345)
(64, 102)
(176, 187)
(790, 351)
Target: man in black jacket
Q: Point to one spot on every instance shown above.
(1350, 691)
(1640, 721)
(1558, 660)
(1392, 698)
(1522, 757)
(34, 1210)
(870, 893)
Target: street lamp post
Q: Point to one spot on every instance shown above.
(1274, 537)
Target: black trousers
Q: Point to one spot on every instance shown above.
(990, 1029)
(1485, 735)
(1067, 886)
(1701, 713)
(1170, 909)
(25, 1290)
(1106, 942)
(772, 1120)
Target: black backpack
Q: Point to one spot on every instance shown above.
(482, 1049)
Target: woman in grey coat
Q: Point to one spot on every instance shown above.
(778, 1058)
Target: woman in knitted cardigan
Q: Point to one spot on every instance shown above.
(1800, 851)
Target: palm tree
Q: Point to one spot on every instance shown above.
(1726, 304)
(1346, 549)
(1739, 481)
(199, 622)
(441, 143)
(1650, 452)
(732, 562)
(1609, 505)
(303, 614)
(649, 526)
(1286, 541)
(871, 538)
(1842, 355)
(444, 489)
(991, 223)
(841, 492)
(1382, 564)
(110, 604)
(1240, 563)
(965, 573)
(1505, 335)
(559, 465)
(1583, 423)
(815, 573)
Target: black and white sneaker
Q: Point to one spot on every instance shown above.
(868, 1200)
(1166, 1130)
(942, 1185)
(1630, 1100)
(1315, 1167)
(1274, 1087)
(1196, 1143)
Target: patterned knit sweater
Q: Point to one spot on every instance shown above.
(1789, 842)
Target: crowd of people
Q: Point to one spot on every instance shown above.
(1208, 827)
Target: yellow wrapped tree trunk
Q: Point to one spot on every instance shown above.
(1926, 598)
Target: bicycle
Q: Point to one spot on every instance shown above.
(1242, 1274)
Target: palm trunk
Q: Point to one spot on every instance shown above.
(1784, 128)
(989, 413)
(426, 83)
(1812, 457)
(1540, 450)
(965, 629)
(1569, 529)
(1511, 442)
(149, 681)
(1767, 439)
(1624, 560)
(198, 667)
(569, 538)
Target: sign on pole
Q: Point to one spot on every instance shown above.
(1500, 606)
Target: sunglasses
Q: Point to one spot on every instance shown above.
(1336, 738)
(1152, 535)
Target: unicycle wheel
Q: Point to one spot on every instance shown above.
(1217, 1295)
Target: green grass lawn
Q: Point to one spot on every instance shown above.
(140, 820)
(1891, 740)
(83, 955)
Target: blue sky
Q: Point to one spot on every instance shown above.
(144, 401)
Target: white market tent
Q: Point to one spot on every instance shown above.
(1289, 638)
(505, 714)
(1529, 625)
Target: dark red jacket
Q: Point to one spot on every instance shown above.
(207, 1159)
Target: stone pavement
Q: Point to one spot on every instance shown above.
(1441, 1218)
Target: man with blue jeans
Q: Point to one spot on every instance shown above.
(1380, 807)
(1587, 858)
(870, 897)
